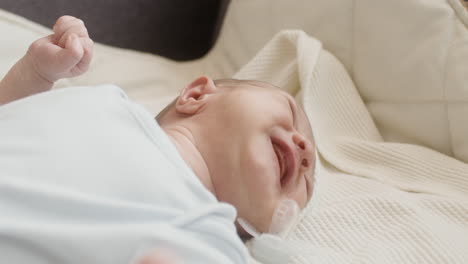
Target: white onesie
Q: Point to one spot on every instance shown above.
(87, 176)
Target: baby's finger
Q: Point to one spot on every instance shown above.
(62, 23)
(72, 53)
(88, 47)
(62, 20)
(61, 29)
(79, 30)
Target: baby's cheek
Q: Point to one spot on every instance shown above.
(261, 167)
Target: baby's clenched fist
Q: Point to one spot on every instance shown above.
(64, 54)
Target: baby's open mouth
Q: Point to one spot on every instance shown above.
(286, 159)
(281, 162)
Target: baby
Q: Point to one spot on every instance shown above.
(101, 178)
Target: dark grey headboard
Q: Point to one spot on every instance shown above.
(177, 29)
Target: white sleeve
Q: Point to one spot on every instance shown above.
(216, 229)
(39, 224)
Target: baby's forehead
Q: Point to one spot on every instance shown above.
(301, 115)
(234, 83)
(258, 85)
(252, 85)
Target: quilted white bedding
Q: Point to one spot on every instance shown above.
(375, 201)
(390, 116)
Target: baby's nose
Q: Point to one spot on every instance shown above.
(305, 151)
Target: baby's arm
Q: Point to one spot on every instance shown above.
(64, 54)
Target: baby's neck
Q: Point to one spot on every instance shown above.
(185, 143)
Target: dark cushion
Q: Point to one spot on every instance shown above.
(177, 29)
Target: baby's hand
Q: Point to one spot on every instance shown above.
(64, 54)
(158, 256)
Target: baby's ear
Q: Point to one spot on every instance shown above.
(193, 97)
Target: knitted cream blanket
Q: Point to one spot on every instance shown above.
(374, 201)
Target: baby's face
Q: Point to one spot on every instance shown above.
(261, 150)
